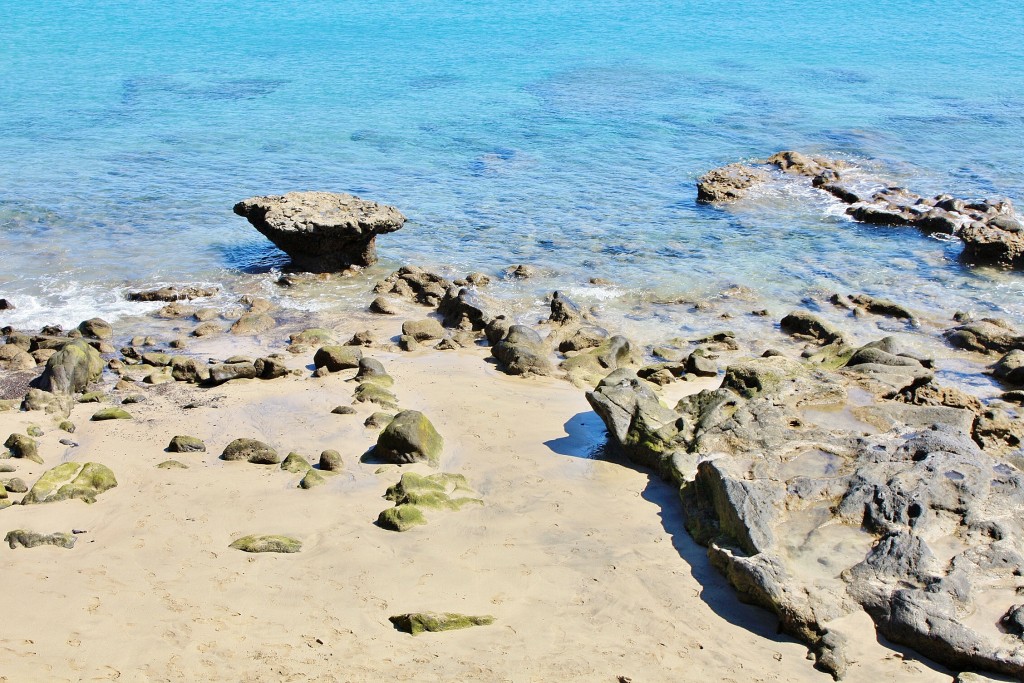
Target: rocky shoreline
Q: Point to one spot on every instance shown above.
(828, 475)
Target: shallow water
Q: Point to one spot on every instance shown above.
(564, 135)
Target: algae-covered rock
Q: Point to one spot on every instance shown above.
(252, 450)
(294, 463)
(372, 370)
(441, 491)
(375, 393)
(31, 539)
(67, 426)
(23, 446)
(343, 410)
(311, 337)
(159, 376)
(34, 430)
(311, 480)
(252, 324)
(111, 414)
(410, 437)
(401, 518)
(267, 544)
(92, 397)
(71, 480)
(72, 368)
(415, 623)
(186, 444)
(330, 461)
(172, 465)
(378, 420)
(96, 328)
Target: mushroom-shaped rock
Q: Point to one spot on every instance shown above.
(71, 480)
(267, 544)
(322, 231)
(410, 437)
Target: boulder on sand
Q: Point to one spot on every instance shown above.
(71, 369)
(322, 231)
(410, 438)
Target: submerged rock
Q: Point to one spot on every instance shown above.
(418, 622)
(267, 544)
(71, 480)
(728, 183)
(322, 231)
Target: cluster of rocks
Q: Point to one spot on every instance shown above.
(907, 509)
(990, 230)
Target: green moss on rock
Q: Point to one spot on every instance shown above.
(71, 480)
(311, 480)
(267, 544)
(252, 450)
(172, 465)
(415, 623)
(368, 392)
(111, 414)
(410, 437)
(294, 463)
(24, 446)
(401, 518)
(437, 491)
(30, 539)
(67, 426)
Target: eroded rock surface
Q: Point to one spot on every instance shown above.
(893, 509)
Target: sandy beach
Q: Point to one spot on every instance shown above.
(579, 555)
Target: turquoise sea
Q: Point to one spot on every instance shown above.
(567, 135)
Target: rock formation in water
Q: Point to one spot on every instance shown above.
(990, 230)
(322, 231)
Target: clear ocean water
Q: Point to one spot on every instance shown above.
(567, 135)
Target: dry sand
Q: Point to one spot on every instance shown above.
(581, 557)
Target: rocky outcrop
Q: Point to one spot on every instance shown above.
(812, 518)
(415, 284)
(169, 294)
(322, 231)
(728, 183)
(991, 232)
(988, 335)
(22, 538)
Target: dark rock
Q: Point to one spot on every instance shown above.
(463, 309)
(330, 461)
(519, 272)
(270, 368)
(804, 324)
(1010, 368)
(701, 365)
(372, 370)
(989, 335)
(564, 310)
(870, 304)
(7, 305)
(344, 410)
(322, 231)
(225, 372)
(336, 358)
(997, 241)
(172, 294)
(186, 444)
(383, 306)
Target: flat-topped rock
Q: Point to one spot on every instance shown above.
(322, 231)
